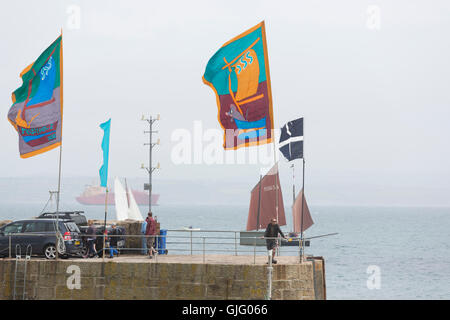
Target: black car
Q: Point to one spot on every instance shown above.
(41, 235)
(76, 216)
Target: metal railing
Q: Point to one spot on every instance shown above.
(189, 242)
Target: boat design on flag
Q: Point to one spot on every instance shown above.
(239, 75)
(36, 113)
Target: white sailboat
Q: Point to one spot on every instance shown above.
(120, 198)
(134, 213)
(126, 206)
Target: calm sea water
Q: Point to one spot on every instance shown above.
(409, 247)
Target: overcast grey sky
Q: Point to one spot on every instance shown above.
(375, 97)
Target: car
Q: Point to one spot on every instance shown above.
(41, 235)
(76, 216)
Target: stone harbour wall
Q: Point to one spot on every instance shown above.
(90, 279)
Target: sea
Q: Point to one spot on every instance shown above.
(378, 252)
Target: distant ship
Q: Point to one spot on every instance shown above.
(95, 195)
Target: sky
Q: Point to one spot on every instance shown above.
(370, 79)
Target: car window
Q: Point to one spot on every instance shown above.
(15, 227)
(50, 226)
(72, 227)
(35, 226)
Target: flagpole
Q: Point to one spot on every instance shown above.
(60, 151)
(106, 126)
(302, 253)
(293, 195)
(276, 178)
(104, 225)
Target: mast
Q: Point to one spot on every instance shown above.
(259, 204)
(128, 194)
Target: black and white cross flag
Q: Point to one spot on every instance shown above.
(291, 139)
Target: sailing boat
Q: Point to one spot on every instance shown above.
(265, 197)
(301, 222)
(126, 206)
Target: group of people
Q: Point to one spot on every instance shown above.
(92, 237)
(148, 231)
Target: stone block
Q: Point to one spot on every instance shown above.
(99, 281)
(276, 295)
(110, 293)
(45, 293)
(85, 293)
(281, 284)
(289, 294)
(257, 293)
(99, 292)
(63, 293)
(126, 282)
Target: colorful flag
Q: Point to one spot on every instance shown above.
(106, 127)
(239, 75)
(291, 139)
(37, 109)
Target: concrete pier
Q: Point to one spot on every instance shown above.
(164, 277)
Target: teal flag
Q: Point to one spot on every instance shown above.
(106, 126)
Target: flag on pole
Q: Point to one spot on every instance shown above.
(238, 73)
(291, 139)
(37, 109)
(106, 126)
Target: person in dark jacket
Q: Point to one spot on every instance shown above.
(272, 231)
(113, 241)
(91, 237)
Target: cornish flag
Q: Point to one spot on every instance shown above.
(291, 139)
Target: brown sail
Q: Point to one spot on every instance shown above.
(263, 202)
(297, 214)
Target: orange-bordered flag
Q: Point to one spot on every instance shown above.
(37, 109)
(239, 75)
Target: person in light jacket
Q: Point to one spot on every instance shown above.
(144, 240)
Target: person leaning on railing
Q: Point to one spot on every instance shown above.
(272, 231)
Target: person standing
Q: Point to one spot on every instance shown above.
(150, 232)
(144, 240)
(113, 241)
(272, 231)
(91, 237)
